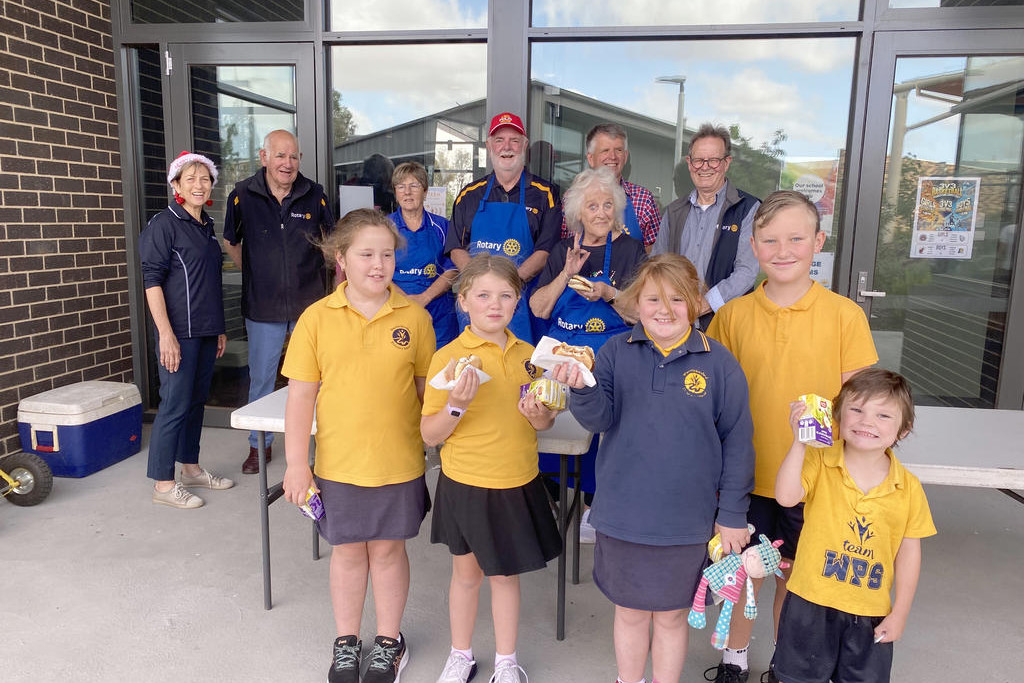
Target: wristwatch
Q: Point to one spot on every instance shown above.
(453, 411)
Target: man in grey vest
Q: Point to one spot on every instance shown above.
(713, 225)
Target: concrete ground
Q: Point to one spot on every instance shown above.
(100, 585)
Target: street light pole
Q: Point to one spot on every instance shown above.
(680, 118)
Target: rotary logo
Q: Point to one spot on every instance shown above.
(595, 325)
(430, 270)
(735, 228)
(510, 247)
(309, 216)
(695, 382)
(400, 337)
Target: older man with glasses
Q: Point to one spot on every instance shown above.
(712, 226)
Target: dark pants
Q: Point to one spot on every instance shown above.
(179, 420)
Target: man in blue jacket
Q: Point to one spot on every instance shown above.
(273, 223)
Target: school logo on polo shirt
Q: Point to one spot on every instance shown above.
(530, 368)
(430, 270)
(510, 247)
(400, 337)
(595, 325)
(695, 382)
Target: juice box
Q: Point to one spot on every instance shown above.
(313, 507)
(816, 422)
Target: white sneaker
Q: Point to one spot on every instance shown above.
(588, 534)
(177, 497)
(508, 672)
(205, 480)
(457, 669)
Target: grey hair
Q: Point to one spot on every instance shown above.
(592, 179)
(266, 139)
(710, 130)
(612, 130)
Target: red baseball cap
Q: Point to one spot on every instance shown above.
(506, 119)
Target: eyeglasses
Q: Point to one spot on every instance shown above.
(712, 162)
(410, 187)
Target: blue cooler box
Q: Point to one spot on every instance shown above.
(82, 428)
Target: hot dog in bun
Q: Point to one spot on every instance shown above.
(580, 284)
(455, 367)
(583, 354)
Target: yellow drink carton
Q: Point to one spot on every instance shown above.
(816, 422)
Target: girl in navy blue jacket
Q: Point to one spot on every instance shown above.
(675, 465)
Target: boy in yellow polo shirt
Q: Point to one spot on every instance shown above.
(792, 337)
(865, 517)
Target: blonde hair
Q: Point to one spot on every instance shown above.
(670, 273)
(783, 199)
(482, 264)
(411, 169)
(345, 231)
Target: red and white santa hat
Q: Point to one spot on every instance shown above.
(186, 159)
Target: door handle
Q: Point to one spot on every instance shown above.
(862, 292)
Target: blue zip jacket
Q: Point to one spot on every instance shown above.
(283, 270)
(676, 455)
(183, 257)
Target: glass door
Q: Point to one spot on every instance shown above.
(223, 100)
(939, 215)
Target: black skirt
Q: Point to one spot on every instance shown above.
(652, 578)
(510, 531)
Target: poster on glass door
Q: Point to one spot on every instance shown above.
(945, 217)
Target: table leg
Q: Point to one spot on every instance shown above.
(264, 518)
(316, 536)
(563, 520)
(577, 515)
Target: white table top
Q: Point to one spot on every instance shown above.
(267, 415)
(951, 446)
(966, 447)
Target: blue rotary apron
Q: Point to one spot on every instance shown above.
(575, 320)
(632, 223)
(417, 268)
(502, 228)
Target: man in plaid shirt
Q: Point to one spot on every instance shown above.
(607, 145)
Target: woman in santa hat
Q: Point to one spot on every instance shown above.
(181, 274)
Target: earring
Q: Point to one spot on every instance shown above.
(178, 198)
(209, 202)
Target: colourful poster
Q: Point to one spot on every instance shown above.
(815, 179)
(945, 218)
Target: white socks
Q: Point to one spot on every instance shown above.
(735, 657)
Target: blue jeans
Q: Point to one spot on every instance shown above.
(265, 343)
(179, 420)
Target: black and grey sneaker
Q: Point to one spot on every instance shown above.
(387, 659)
(345, 663)
(726, 673)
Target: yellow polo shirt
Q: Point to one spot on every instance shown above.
(786, 352)
(367, 413)
(850, 538)
(493, 445)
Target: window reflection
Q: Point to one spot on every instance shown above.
(422, 103)
(954, 3)
(688, 12)
(786, 102)
(215, 11)
(383, 15)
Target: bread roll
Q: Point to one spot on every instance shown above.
(583, 354)
(580, 284)
(467, 361)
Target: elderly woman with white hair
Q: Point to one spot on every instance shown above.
(600, 252)
(588, 313)
(181, 274)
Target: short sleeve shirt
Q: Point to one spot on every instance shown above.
(850, 538)
(368, 412)
(493, 445)
(786, 352)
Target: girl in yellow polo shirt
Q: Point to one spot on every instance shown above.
(360, 356)
(490, 507)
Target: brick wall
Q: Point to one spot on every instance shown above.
(63, 283)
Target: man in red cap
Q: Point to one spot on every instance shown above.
(509, 212)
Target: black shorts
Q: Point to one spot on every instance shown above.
(510, 531)
(652, 578)
(818, 644)
(775, 522)
(357, 514)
